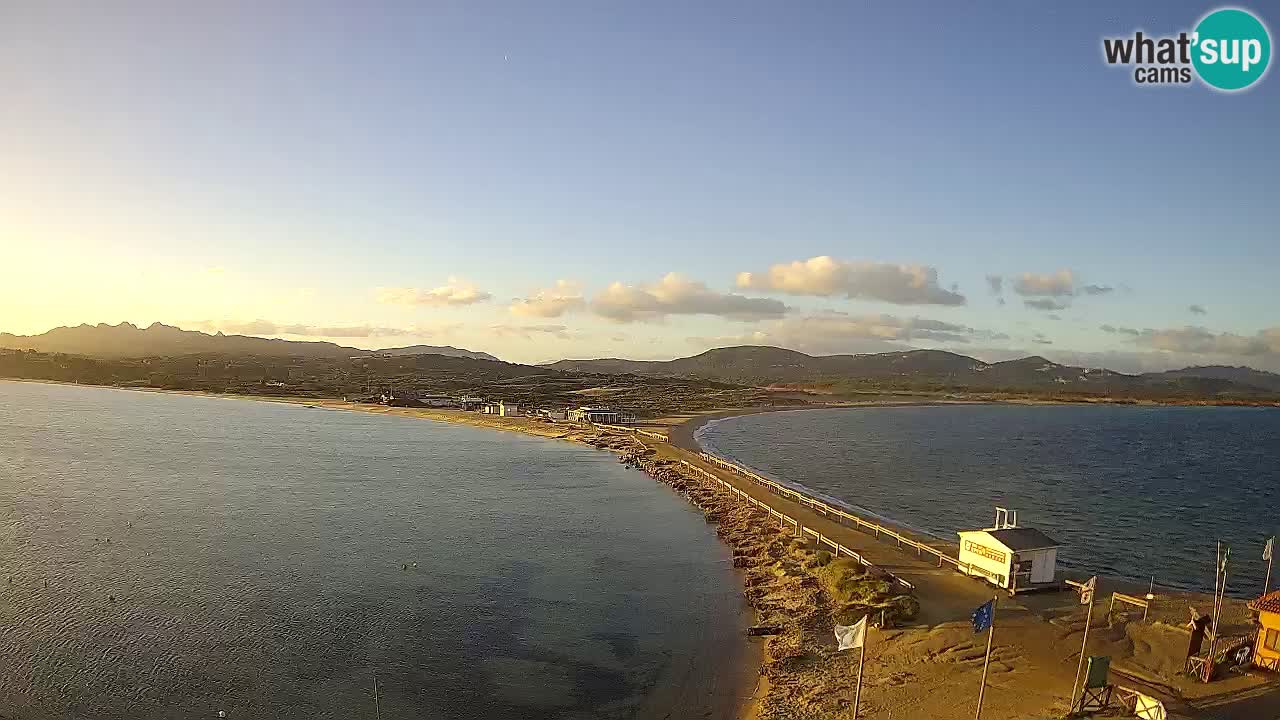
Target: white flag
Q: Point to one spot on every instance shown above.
(1266, 550)
(851, 637)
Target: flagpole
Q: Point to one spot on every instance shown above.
(1217, 573)
(857, 693)
(1083, 645)
(377, 707)
(991, 633)
(1217, 610)
(1266, 584)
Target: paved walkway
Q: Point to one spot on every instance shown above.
(951, 596)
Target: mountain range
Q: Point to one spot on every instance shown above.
(127, 340)
(748, 365)
(759, 365)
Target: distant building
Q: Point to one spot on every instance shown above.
(1266, 648)
(436, 400)
(552, 414)
(602, 415)
(1010, 557)
(502, 409)
(466, 402)
(406, 402)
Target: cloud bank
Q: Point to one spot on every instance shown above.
(824, 276)
(835, 332)
(676, 294)
(550, 302)
(1058, 284)
(267, 327)
(455, 292)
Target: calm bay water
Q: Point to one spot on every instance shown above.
(1130, 491)
(206, 554)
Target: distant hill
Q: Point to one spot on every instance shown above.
(446, 350)
(772, 365)
(1240, 375)
(127, 340)
(933, 369)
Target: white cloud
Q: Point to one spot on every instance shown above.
(267, 327)
(1193, 345)
(529, 331)
(833, 333)
(550, 302)
(675, 294)
(1053, 291)
(824, 276)
(1046, 304)
(455, 292)
(1058, 284)
(1202, 341)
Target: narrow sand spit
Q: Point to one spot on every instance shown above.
(926, 666)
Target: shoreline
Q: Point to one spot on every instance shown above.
(742, 701)
(685, 437)
(1146, 655)
(1044, 636)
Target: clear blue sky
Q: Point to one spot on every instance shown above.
(274, 165)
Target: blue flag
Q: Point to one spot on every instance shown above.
(983, 615)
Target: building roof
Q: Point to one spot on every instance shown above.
(1268, 603)
(1021, 539)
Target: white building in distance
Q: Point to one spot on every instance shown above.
(1010, 557)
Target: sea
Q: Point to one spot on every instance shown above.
(174, 556)
(1136, 492)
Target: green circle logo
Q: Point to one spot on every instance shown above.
(1232, 49)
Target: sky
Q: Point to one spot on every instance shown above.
(543, 180)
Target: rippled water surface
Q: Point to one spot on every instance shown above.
(1131, 491)
(172, 556)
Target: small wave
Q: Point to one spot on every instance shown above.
(845, 505)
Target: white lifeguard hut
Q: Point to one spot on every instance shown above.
(1010, 557)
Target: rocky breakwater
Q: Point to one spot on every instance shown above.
(798, 592)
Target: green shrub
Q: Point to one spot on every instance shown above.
(822, 558)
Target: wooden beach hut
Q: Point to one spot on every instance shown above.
(1266, 649)
(1010, 557)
